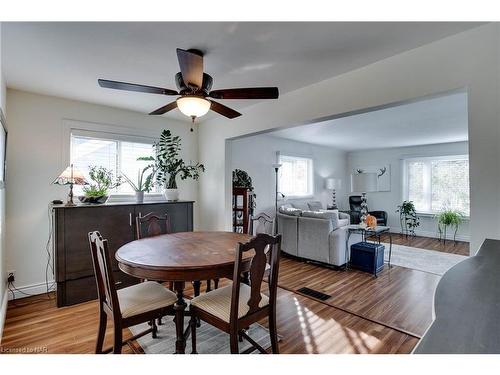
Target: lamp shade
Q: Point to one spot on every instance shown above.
(193, 106)
(364, 182)
(70, 175)
(332, 183)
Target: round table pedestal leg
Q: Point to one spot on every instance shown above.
(179, 307)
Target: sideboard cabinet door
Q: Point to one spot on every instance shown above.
(114, 224)
(180, 214)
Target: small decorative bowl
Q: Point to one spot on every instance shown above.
(93, 200)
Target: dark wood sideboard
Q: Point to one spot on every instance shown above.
(116, 221)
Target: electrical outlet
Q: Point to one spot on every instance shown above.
(11, 276)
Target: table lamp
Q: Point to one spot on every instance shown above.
(332, 184)
(363, 183)
(70, 176)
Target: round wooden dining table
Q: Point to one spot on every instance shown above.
(181, 257)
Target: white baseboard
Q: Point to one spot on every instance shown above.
(3, 312)
(432, 234)
(33, 289)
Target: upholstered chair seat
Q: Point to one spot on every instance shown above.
(143, 297)
(218, 302)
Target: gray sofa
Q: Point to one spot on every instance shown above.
(314, 234)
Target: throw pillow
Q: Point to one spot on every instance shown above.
(301, 206)
(315, 205)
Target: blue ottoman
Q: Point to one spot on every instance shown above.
(367, 257)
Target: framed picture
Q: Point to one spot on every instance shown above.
(383, 175)
(3, 148)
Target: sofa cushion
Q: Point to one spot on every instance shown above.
(290, 211)
(315, 205)
(320, 214)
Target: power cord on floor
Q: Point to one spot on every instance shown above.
(48, 247)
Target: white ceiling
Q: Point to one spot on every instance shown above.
(66, 59)
(428, 121)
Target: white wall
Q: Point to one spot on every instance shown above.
(3, 277)
(389, 200)
(256, 154)
(468, 59)
(35, 157)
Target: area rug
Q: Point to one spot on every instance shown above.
(435, 262)
(209, 340)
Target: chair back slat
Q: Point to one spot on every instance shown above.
(103, 272)
(267, 250)
(152, 224)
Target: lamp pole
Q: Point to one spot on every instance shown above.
(276, 167)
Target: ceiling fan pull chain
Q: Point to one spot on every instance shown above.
(192, 124)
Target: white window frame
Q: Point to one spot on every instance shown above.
(310, 174)
(110, 132)
(427, 160)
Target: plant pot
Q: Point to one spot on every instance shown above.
(139, 196)
(93, 200)
(172, 194)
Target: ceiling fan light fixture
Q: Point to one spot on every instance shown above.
(193, 106)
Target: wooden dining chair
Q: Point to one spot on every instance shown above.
(151, 225)
(143, 302)
(235, 307)
(261, 223)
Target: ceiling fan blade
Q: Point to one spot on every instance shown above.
(223, 110)
(134, 87)
(246, 93)
(191, 64)
(165, 109)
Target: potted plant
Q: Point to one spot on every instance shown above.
(101, 182)
(448, 218)
(169, 165)
(243, 180)
(145, 180)
(408, 218)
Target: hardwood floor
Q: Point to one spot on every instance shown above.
(460, 247)
(305, 325)
(399, 297)
(383, 315)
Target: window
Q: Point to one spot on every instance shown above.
(295, 176)
(434, 184)
(118, 155)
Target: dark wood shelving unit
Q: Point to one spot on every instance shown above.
(242, 209)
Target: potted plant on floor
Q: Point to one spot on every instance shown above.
(102, 181)
(408, 218)
(169, 165)
(145, 180)
(448, 218)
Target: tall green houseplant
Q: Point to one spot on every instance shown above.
(169, 164)
(408, 218)
(448, 218)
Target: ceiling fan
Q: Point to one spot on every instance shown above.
(194, 88)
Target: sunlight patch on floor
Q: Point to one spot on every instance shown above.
(316, 331)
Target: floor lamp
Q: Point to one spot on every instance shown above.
(276, 167)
